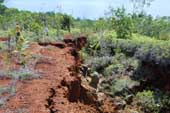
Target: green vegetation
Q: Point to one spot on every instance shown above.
(132, 63)
(133, 56)
(122, 23)
(130, 51)
(21, 74)
(147, 101)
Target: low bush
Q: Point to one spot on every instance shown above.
(98, 63)
(152, 51)
(21, 74)
(119, 86)
(123, 86)
(147, 101)
(153, 101)
(126, 63)
(121, 65)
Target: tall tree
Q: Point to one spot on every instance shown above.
(66, 22)
(1, 1)
(139, 5)
(2, 7)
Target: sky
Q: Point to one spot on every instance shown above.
(91, 9)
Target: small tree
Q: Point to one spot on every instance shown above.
(140, 5)
(66, 22)
(122, 23)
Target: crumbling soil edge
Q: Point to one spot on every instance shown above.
(50, 101)
(76, 91)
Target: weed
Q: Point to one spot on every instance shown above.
(23, 74)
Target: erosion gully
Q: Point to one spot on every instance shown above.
(59, 89)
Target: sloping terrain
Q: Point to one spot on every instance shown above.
(59, 88)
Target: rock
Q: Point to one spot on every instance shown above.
(95, 74)
(94, 80)
(119, 103)
(85, 70)
(101, 81)
(101, 96)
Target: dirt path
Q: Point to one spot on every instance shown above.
(47, 95)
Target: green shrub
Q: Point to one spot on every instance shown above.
(148, 50)
(75, 31)
(83, 54)
(21, 74)
(99, 63)
(122, 85)
(109, 34)
(164, 35)
(164, 101)
(119, 86)
(109, 70)
(122, 65)
(146, 100)
(35, 27)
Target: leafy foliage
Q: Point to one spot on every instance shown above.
(122, 23)
(98, 63)
(117, 47)
(147, 101)
(151, 101)
(122, 85)
(149, 50)
(66, 22)
(121, 65)
(35, 27)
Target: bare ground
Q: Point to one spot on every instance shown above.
(47, 94)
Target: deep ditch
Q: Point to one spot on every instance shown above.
(76, 92)
(74, 72)
(59, 90)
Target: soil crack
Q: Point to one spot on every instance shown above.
(50, 102)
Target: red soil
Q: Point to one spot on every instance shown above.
(47, 95)
(4, 82)
(59, 89)
(4, 38)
